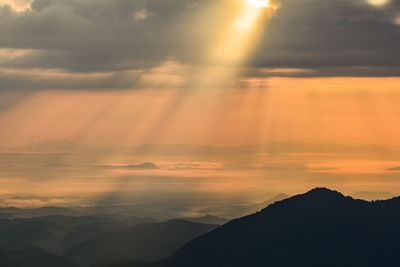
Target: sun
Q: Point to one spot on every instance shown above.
(259, 3)
(239, 37)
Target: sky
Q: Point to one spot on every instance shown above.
(311, 86)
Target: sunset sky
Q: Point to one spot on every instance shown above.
(240, 98)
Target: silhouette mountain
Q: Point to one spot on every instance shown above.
(34, 257)
(319, 228)
(31, 242)
(147, 242)
(15, 213)
(53, 233)
(83, 232)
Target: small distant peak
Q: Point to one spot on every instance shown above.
(323, 191)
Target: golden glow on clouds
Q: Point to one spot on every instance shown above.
(18, 5)
(142, 14)
(236, 41)
(15, 53)
(259, 3)
(378, 2)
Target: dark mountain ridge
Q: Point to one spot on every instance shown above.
(319, 228)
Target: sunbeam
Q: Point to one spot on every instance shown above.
(151, 111)
(236, 41)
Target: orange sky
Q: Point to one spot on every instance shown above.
(350, 111)
(108, 76)
(316, 110)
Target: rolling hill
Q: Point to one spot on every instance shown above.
(34, 257)
(147, 242)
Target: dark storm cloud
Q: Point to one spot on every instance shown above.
(328, 37)
(330, 34)
(92, 35)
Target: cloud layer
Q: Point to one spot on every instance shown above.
(331, 38)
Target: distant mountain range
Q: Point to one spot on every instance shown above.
(146, 242)
(79, 241)
(57, 233)
(14, 213)
(158, 210)
(318, 228)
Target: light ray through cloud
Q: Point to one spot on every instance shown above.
(211, 92)
(236, 41)
(231, 49)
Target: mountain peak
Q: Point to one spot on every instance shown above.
(323, 192)
(321, 195)
(317, 198)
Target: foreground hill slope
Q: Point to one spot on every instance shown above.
(319, 228)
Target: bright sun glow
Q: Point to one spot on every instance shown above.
(378, 2)
(237, 40)
(259, 3)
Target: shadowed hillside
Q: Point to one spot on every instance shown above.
(55, 233)
(148, 241)
(34, 258)
(39, 241)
